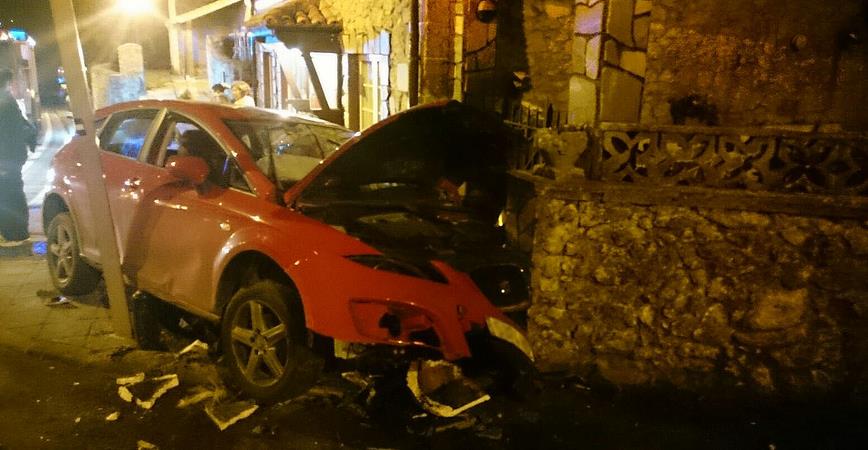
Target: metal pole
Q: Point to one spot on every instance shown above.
(66, 31)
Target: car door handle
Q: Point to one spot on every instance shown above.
(133, 183)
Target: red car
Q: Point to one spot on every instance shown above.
(284, 228)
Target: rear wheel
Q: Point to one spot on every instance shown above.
(264, 343)
(70, 274)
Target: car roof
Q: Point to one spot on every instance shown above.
(216, 110)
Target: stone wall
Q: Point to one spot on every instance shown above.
(642, 285)
(760, 62)
(547, 26)
(363, 22)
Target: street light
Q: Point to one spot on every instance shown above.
(135, 7)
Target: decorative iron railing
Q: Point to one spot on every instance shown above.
(755, 159)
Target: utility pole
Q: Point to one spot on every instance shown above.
(66, 32)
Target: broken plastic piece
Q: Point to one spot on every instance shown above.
(125, 394)
(164, 384)
(113, 416)
(145, 392)
(225, 415)
(137, 378)
(441, 389)
(196, 346)
(145, 445)
(61, 302)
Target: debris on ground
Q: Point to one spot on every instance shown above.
(137, 378)
(358, 379)
(441, 389)
(196, 347)
(60, 301)
(460, 424)
(225, 414)
(145, 445)
(146, 392)
(326, 391)
(113, 416)
(199, 394)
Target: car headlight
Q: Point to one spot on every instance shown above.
(389, 264)
(505, 331)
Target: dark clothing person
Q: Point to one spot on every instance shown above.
(16, 135)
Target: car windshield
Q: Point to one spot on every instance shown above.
(286, 151)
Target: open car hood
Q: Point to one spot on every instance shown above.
(430, 180)
(445, 149)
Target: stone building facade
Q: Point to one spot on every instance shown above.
(735, 63)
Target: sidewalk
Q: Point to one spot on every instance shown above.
(79, 330)
(35, 322)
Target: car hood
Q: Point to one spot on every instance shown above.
(430, 178)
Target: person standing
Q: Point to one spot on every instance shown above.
(241, 94)
(16, 135)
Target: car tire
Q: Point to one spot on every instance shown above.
(70, 274)
(263, 337)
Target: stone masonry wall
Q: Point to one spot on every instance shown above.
(760, 62)
(362, 22)
(547, 26)
(698, 297)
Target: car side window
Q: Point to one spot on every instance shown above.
(180, 136)
(168, 141)
(125, 132)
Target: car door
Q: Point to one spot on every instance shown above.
(122, 141)
(186, 227)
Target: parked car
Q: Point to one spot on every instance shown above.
(286, 230)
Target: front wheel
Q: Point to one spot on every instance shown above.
(263, 337)
(70, 274)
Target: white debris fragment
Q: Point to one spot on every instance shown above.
(196, 346)
(75, 383)
(225, 415)
(424, 378)
(125, 394)
(160, 386)
(145, 445)
(166, 383)
(78, 420)
(137, 378)
(113, 416)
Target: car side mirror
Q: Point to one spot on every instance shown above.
(191, 169)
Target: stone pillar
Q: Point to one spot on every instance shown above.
(130, 59)
(189, 56)
(609, 48)
(436, 49)
(130, 83)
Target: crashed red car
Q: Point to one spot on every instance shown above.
(283, 228)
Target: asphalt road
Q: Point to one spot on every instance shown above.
(47, 404)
